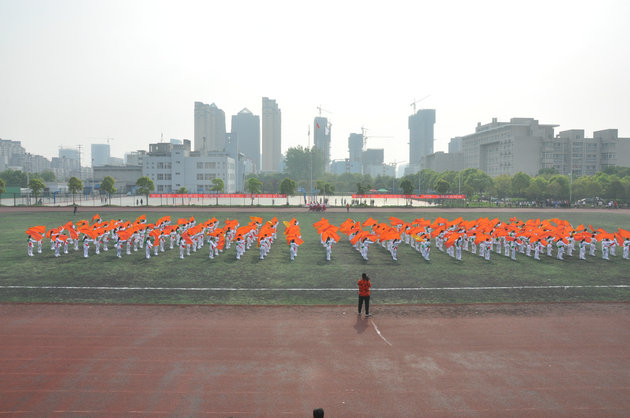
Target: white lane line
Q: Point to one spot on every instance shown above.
(379, 332)
(325, 289)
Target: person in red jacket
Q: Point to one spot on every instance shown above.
(364, 293)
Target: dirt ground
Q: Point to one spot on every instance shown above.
(420, 360)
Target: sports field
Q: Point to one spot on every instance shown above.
(309, 279)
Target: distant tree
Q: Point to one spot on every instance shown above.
(427, 180)
(477, 180)
(614, 190)
(520, 182)
(36, 185)
(48, 175)
(217, 185)
(270, 181)
(442, 186)
(107, 185)
(451, 177)
(547, 172)
(14, 178)
(626, 187)
(586, 186)
(346, 182)
(537, 189)
(145, 186)
(383, 182)
(406, 185)
(325, 187)
(74, 186)
(253, 185)
(363, 187)
(299, 160)
(2, 189)
(502, 186)
(558, 187)
(288, 187)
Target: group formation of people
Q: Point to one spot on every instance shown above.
(482, 237)
(186, 234)
(533, 238)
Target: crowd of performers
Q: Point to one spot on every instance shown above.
(482, 237)
(533, 238)
(125, 237)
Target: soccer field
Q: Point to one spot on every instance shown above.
(309, 279)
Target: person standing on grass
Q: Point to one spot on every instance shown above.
(364, 293)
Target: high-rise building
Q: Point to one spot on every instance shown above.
(100, 154)
(354, 163)
(245, 135)
(321, 136)
(421, 136)
(209, 128)
(12, 154)
(271, 136)
(68, 163)
(70, 154)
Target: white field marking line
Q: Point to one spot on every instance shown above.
(379, 332)
(326, 289)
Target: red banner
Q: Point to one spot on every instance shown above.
(409, 196)
(218, 195)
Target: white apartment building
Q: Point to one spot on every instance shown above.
(507, 147)
(173, 166)
(572, 153)
(522, 144)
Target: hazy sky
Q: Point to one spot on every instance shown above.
(73, 71)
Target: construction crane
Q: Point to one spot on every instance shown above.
(320, 109)
(365, 137)
(418, 101)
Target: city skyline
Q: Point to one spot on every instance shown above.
(77, 70)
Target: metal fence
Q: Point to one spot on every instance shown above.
(125, 200)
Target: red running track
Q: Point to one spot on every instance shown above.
(443, 360)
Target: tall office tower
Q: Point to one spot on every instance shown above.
(421, 135)
(246, 134)
(355, 147)
(271, 135)
(209, 128)
(100, 154)
(321, 136)
(354, 164)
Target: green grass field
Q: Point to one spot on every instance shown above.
(310, 279)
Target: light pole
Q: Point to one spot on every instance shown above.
(570, 188)
(310, 163)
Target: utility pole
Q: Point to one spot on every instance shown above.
(310, 154)
(570, 187)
